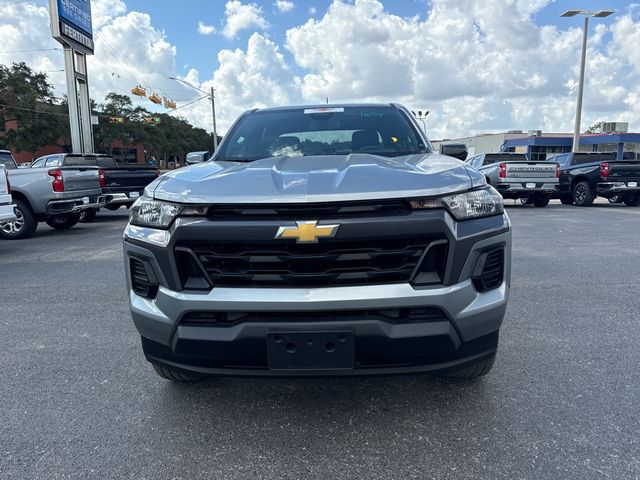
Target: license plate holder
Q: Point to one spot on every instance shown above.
(85, 200)
(333, 350)
(632, 184)
(530, 185)
(134, 194)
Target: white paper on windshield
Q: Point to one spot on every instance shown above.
(324, 110)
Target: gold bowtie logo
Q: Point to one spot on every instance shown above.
(308, 232)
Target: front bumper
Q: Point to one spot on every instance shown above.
(466, 332)
(75, 205)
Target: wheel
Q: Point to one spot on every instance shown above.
(632, 200)
(541, 201)
(175, 376)
(63, 221)
(582, 195)
(25, 223)
(113, 208)
(472, 371)
(566, 200)
(615, 199)
(88, 215)
(526, 200)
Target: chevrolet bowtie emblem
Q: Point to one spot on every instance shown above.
(308, 232)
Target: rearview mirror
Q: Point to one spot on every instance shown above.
(456, 150)
(196, 157)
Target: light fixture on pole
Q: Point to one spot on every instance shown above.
(421, 116)
(587, 14)
(211, 96)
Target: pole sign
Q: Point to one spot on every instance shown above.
(71, 23)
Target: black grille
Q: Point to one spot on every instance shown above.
(140, 282)
(311, 210)
(301, 265)
(388, 315)
(492, 271)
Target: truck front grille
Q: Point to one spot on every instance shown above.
(290, 264)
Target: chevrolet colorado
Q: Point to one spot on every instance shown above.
(320, 240)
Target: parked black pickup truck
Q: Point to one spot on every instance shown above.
(585, 176)
(122, 184)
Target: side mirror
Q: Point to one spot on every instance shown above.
(456, 150)
(196, 157)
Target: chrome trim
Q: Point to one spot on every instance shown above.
(153, 236)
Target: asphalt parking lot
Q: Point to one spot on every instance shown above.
(78, 400)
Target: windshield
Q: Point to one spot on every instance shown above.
(7, 160)
(322, 131)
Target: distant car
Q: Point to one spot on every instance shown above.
(197, 157)
(7, 214)
(585, 176)
(123, 184)
(55, 195)
(515, 176)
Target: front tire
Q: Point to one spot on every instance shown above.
(476, 370)
(63, 221)
(24, 226)
(175, 376)
(582, 195)
(632, 200)
(112, 208)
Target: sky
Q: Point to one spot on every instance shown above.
(477, 66)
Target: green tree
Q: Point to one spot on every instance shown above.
(27, 97)
(129, 132)
(595, 128)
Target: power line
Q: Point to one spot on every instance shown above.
(32, 50)
(187, 104)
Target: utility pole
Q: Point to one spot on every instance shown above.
(213, 112)
(210, 95)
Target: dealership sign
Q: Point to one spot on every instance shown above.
(71, 23)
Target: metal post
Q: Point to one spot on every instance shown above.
(85, 103)
(72, 98)
(213, 112)
(576, 128)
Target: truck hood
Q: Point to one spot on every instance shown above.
(323, 178)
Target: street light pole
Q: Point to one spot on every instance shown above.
(211, 96)
(583, 58)
(213, 112)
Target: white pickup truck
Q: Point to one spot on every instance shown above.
(514, 176)
(56, 196)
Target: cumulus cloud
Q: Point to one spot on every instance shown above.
(477, 66)
(284, 5)
(204, 29)
(241, 16)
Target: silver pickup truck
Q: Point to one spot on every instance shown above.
(52, 195)
(6, 204)
(320, 240)
(514, 176)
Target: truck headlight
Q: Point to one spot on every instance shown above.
(146, 212)
(483, 202)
